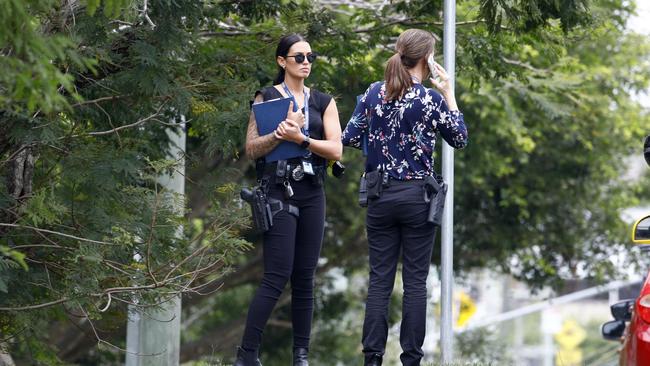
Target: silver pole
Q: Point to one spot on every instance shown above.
(549, 350)
(153, 337)
(447, 234)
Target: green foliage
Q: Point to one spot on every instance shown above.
(529, 15)
(597, 350)
(481, 346)
(36, 57)
(12, 259)
(111, 8)
(88, 99)
(549, 178)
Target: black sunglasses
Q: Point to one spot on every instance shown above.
(300, 57)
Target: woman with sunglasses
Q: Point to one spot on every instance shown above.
(401, 118)
(292, 246)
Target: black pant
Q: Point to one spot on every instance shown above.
(291, 251)
(398, 220)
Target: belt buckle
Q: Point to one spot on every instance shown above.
(298, 173)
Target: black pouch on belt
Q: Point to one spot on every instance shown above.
(374, 183)
(435, 191)
(363, 191)
(318, 179)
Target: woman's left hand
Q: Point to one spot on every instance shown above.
(289, 130)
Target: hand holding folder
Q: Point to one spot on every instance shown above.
(268, 116)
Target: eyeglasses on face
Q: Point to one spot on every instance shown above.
(300, 57)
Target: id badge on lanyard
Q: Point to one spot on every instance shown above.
(306, 159)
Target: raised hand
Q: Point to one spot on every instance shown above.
(444, 86)
(298, 116)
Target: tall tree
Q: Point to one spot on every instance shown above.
(88, 91)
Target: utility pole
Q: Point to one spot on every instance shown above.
(447, 235)
(153, 337)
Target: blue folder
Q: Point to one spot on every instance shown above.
(268, 116)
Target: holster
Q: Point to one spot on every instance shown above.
(370, 186)
(260, 208)
(264, 208)
(374, 183)
(435, 191)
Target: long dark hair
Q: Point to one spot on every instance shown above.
(284, 45)
(412, 46)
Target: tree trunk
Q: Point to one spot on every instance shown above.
(21, 172)
(5, 358)
(19, 177)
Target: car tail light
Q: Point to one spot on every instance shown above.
(644, 308)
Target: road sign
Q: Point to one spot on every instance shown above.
(569, 339)
(467, 309)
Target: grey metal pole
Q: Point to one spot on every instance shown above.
(153, 337)
(447, 234)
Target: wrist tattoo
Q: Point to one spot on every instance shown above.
(256, 145)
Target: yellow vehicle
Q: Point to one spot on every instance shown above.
(641, 229)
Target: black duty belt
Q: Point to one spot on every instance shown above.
(294, 171)
(396, 182)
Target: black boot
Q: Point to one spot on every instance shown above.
(373, 359)
(246, 358)
(300, 357)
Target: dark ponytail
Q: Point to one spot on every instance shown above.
(398, 79)
(284, 45)
(412, 46)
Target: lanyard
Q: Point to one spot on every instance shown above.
(289, 93)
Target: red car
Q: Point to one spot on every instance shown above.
(636, 336)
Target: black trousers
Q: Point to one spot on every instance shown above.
(291, 251)
(397, 221)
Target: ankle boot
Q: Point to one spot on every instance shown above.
(373, 359)
(246, 358)
(300, 357)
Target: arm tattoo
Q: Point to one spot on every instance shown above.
(256, 145)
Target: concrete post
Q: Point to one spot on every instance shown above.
(153, 337)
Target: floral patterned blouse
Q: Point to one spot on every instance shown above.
(401, 137)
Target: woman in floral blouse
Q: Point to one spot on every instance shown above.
(400, 118)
